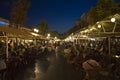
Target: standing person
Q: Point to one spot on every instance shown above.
(59, 51)
(3, 68)
(55, 48)
(3, 65)
(55, 45)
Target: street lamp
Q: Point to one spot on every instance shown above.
(55, 37)
(91, 29)
(48, 35)
(36, 30)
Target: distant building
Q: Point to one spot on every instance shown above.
(4, 22)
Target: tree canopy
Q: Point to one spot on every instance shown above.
(103, 9)
(19, 11)
(42, 27)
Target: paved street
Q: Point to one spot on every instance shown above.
(52, 68)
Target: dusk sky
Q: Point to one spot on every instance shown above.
(60, 15)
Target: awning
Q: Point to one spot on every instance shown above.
(12, 32)
(103, 28)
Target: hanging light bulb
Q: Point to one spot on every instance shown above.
(99, 26)
(112, 19)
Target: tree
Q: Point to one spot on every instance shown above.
(79, 25)
(104, 8)
(42, 27)
(19, 11)
(54, 33)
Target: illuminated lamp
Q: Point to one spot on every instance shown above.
(112, 19)
(99, 26)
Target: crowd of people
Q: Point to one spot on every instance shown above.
(20, 55)
(94, 63)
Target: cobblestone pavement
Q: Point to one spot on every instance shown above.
(51, 68)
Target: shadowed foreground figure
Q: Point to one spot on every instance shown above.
(92, 69)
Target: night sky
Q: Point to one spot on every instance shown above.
(60, 15)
